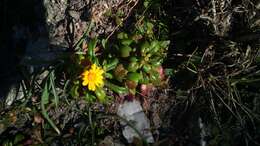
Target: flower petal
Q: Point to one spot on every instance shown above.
(85, 82)
(91, 86)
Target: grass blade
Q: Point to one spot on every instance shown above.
(52, 83)
(44, 99)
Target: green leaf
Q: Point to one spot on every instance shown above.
(156, 62)
(147, 68)
(74, 91)
(18, 138)
(134, 76)
(127, 42)
(95, 60)
(101, 94)
(108, 75)
(145, 79)
(146, 4)
(168, 72)
(144, 47)
(155, 46)
(89, 97)
(44, 97)
(149, 27)
(104, 43)
(115, 88)
(165, 44)
(133, 59)
(52, 83)
(154, 77)
(125, 51)
(7, 143)
(120, 13)
(111, 64)
(132, 66)
(122, 35)
(119, 21)
(91, 48)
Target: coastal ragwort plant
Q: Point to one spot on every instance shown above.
(120, 66)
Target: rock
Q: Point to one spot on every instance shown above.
(11, 96)
(132, 112)
(74, 14)
(15, 93)
(55, 10)
(55, 15)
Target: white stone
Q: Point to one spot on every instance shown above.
(133, 113)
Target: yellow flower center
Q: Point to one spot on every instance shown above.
(91, 76)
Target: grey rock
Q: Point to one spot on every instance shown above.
(10, 98)
(15, 93)
(133, 113)
(74, 14)
(55, 11)
(55, 14)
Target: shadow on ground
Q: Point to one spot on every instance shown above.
(21, 21)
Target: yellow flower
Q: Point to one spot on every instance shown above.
(93, 77)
